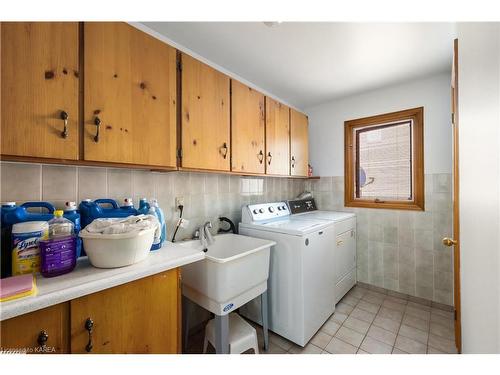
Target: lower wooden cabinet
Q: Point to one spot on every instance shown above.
(42, 331)
(138, 317)
(142, 316)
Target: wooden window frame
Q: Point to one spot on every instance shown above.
(417, 176)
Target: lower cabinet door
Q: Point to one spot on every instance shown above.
(142, 316)
(40, 332)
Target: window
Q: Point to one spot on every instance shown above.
(384, 162)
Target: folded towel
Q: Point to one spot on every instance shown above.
(123, 225)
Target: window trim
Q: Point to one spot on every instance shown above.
(417, 177)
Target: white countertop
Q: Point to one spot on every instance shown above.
(86, 279)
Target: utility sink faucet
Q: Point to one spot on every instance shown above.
(204, 235)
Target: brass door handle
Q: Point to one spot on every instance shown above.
(89, 327)
(97, 123)
(64, 116)
(223, 150)
(260, 156)
(449, 241)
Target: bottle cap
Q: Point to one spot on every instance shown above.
(128, 202)
(70, 206)
(58, 213)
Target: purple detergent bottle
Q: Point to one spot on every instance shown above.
(58, 252)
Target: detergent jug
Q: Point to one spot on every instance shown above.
(102, 208)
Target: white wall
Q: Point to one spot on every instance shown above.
(326, 122)
(479, 116)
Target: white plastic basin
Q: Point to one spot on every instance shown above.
(117, 250)
(235, 270)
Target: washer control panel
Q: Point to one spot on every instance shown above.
(299, 206)
(265, 211)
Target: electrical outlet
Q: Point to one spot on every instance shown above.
(179, 201)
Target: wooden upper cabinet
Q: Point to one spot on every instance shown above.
(142, 316)
(27, 332)
(277, 138)
(299, 145)
(247, 129)
(130, 91)
(205, 117)
(39, 85)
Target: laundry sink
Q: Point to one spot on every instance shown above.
(235, 270)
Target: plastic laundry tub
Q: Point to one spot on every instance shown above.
(117, 250)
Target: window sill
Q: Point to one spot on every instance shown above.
(386, 205)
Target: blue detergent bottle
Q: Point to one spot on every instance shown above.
(144, 207)
(71, 213)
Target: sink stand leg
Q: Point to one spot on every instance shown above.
(222, 334)
(265, 323)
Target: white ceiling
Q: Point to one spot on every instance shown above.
(306, 64)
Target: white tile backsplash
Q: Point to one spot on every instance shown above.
(206, 195)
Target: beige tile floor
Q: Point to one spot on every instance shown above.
(366, 321)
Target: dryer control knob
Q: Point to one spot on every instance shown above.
(261, 210)
(255, 211)
(271, 209)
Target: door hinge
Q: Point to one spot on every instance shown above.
(455, 313)
(453, 118)
(179, 66)
(179, 153)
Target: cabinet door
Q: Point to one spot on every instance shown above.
(39, 85)
(298, 143)
(26, 332)
(205, 117)
(247, 129)
(139, 317)
(277, 138)
(130, 88)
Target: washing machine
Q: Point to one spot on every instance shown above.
(301, 285)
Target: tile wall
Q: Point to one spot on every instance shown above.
(397, 250)
(401, 250)
(206, 195)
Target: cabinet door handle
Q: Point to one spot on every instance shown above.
(97, 123)
(64, 116)
(293, 161)
(269, 158)
(43, 336)
(89, 326)
(260, 156)
(223, 150)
